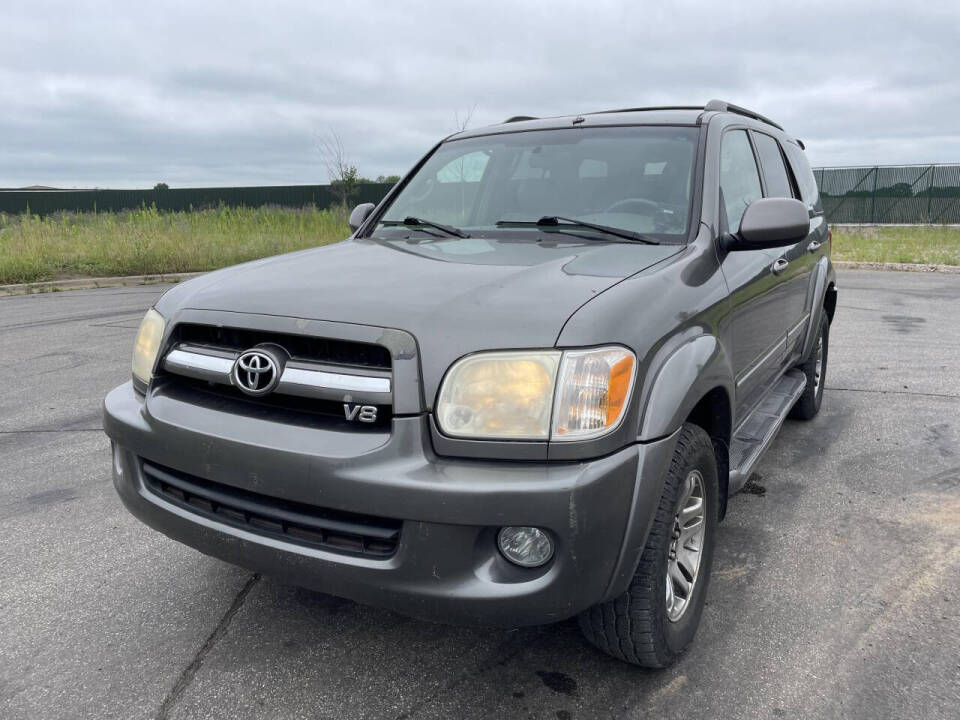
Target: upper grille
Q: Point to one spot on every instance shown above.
(294, 522)
(321, 381)
(300, 347)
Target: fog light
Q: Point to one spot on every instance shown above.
(525, 546)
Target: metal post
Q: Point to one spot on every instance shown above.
(930, 195)
(873, 198)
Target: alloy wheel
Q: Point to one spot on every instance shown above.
(686, 546)
(818, 365)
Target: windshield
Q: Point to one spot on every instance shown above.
(634, 178)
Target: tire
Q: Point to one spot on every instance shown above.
(636, 627)
(808, 404)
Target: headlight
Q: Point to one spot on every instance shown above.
(571, 395)
(499, 395)
(147, 346)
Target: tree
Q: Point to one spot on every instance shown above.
(342, 173)
(462, 123)
(392, 179)
(161, 186)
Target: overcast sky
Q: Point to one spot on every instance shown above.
(232, 93)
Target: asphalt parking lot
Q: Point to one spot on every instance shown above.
(836, 589)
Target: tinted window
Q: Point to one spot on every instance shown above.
(804, 175)
(739, 178)
(774, 172)
(636, 178)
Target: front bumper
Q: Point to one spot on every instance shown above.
(446, 567)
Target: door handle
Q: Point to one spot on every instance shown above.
(814, 246)
(779, 266)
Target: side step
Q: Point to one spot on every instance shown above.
(756, 433)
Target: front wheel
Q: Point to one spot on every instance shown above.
(654, 621)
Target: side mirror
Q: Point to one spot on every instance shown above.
(359, 215)
(769, 223)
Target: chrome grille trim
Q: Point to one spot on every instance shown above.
(215, 368)
(298, 378)
(295, 377)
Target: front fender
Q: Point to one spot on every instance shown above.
(680, 376)
(681, 373)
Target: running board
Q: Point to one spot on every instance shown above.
(755, 434)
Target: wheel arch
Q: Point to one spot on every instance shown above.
(830, 301)
(682, 376)
(824, 300)
(694, 383)
(689, 376)
(714, 413)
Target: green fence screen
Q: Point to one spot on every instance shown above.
(909, 194)
(881, 194)
(46, 202)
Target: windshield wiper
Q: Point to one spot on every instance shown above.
(414, 221)
(560, 221)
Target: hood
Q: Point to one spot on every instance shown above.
(454, 296)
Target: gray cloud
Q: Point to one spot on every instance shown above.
(125, 95)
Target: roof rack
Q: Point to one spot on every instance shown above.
(712, 106)
(646, 109)
(724, 106)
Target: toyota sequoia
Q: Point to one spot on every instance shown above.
(522, 390)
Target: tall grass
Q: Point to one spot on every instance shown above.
(146, 241)
(934, 245)
(149, 242)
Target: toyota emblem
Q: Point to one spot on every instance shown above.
(256, 372)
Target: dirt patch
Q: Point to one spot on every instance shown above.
(558, 682)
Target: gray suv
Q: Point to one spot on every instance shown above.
(522, 390)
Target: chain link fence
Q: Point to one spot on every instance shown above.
(908, 194)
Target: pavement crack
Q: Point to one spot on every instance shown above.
(190, 671)
(894, 392)
(110, 314)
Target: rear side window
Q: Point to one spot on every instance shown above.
(739, 179)
(804, 175)
(465, 169)
(774, 171)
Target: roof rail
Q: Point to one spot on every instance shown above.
(519, 118)
(724, 106)
(646, 109)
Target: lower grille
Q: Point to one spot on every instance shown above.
(292, 522)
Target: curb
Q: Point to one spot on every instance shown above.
(898, 267)
(89, 283)
(128, 280)
(901, 225)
